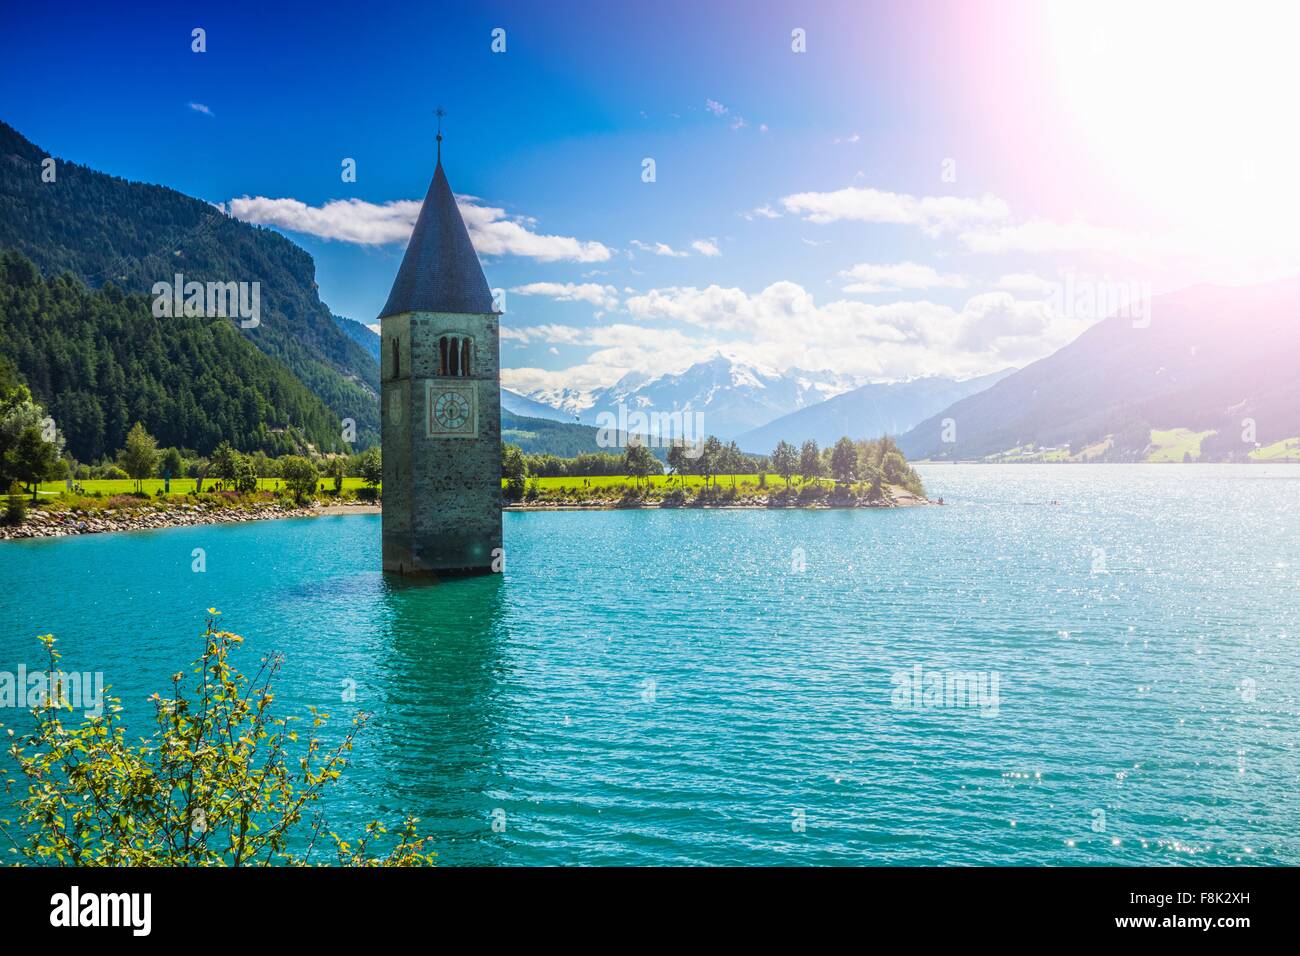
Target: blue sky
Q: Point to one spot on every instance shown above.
(805, 199)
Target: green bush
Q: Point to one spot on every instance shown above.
(15, 506)
(221, 781)
(300, 476)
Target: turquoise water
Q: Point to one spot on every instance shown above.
(666, 687)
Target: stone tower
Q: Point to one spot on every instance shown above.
(440, 381)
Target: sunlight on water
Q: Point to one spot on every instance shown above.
(760, 687)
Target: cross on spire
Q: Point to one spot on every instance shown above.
(440, 115)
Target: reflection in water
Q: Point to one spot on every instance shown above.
(437, 738)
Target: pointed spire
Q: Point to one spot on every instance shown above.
(440, 271)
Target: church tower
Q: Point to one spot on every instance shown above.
(440, 379)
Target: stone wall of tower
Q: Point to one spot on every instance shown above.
(444, 515)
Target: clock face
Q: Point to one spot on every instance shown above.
(451, 411)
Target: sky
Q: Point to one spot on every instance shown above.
(883, 190)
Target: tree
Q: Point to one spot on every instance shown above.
(710, 457)
(733, 461)
(140, 455)
(222, 781)
(895, 468)
(245, 480)
(513, 463)
(784, 461)
(875, 479)
(810, 461)
(372, 466)
(300, 476)
(844, 461)
(514, 469)
(171, 465)
(639, 462)
(222, 464)
(336, 469)
(24, 429)
(32, 459)
(679, 462)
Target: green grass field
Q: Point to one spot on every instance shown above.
(1288, 449)
(180, 486)
(1171, 444)
(745, 484)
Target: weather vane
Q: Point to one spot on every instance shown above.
(440, 114)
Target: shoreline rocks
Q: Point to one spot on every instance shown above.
(58, 523)
(747, 502)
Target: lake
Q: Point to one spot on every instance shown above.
(1065, 664)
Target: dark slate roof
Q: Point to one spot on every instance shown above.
(440, 271)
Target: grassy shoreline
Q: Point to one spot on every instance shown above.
(106, 509)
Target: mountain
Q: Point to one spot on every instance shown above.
(541, 436)
(731, 397)
(99, 361)
(1211, 360)
(360, 333)
(106, 229)
(869, 411)
(526, 407)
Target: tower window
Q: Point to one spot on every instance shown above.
(397, 358)
(455, 356)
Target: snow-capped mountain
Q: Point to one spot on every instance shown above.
(526, 407)
(872, 410)
(732, 397)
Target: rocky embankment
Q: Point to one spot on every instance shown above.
(896, 498)
(53, 523)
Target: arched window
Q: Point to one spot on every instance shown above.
(397, 359)
(453, 352)
(464, 357)
(442, 355)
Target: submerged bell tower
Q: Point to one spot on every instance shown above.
(440, 379)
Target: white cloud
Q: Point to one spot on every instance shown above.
(737, 122)
(201, 108)
(1023, 282)
(869, 277)
(617, 350)
(783, 326)
(932, 214)
(348, 220)
(494, 234)
(856, 137)
(365, 223)
(659, 249)
(1044, 236)
(548, 333)
(762, 212)
(601, 296)
(706, 247)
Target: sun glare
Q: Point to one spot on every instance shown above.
(1189, 111)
